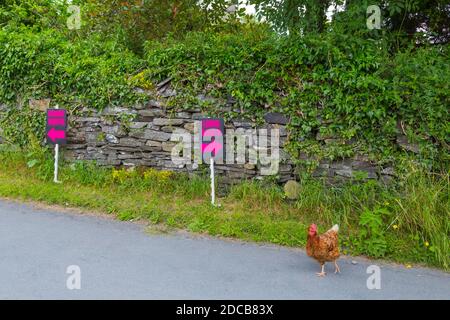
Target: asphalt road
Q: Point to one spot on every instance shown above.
(119, 260)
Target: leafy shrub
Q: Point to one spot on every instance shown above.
(338, 86)
(36, 14)
(372, 233)
(88, 72)
(421, 81)
(134, 21)
(21, 126)
(349, 90)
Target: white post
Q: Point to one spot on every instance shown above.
(55, 176)
(55, 179)
(212, 181)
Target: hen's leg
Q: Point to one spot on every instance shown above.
(336, 270)
(322, 273)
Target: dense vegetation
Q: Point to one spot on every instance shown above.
(364, 88)
(360, 88)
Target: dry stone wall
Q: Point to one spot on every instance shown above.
(141, 136)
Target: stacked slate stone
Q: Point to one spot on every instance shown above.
(144, 140)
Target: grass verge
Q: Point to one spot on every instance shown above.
(406, 222)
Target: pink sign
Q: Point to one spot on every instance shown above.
(212, 132)
(56, 126)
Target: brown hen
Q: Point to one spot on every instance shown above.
(324, 247)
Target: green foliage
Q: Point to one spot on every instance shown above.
(86, 72)
(294, 16)
(420, 81)
(403, 22)
(423, 210)
(36, 14)
(349, 89)
(133, 22)
(22, 126)
(87, 173)
(343, 87)
(371, 234)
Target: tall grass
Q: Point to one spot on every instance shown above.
(417, 207)
(423, 208)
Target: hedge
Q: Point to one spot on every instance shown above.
(349, 89)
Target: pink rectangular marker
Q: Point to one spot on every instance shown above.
(56, 113)
(56, 126)
(56, 122)
(212, 133)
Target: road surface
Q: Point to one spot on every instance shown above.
(119, 260)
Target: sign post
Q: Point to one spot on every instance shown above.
(213, 189)
(55, 174)
(212, 132)
(56, 133)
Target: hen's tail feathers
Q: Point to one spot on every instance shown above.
(335, 228)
